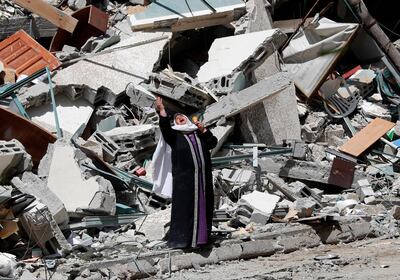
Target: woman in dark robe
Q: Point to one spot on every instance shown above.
(192, 188)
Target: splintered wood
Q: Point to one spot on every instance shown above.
(366, 137)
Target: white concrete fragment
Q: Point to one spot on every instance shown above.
(343, 204)
(71, 114)
(66, 181)
(260, 201)
(229, 54)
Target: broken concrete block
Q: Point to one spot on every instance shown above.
(364, 192)
(300, 150)
(237, 102)
(238, 178)
(370, 200)
(313, 126)
(122, 66)
(226, 84)
(179, 90)
(77, 4)
(13, 159)
(346, 204)
(304, 206)
(222, 132)
(66, 180)
(263, 123)
(42, 228)
(133, 138)
(32, 184)
(149, 116)
(259, 16)
(259, 217)
(139, 95)
(280, 185)
(8, 265)
(264, 202)
(110, 148)
(363, 79)
(240, 53)
(333, 135)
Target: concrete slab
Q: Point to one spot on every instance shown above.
(237, 102)
(66, 181)
(275, 120)
(71, 114)
(113, 71)
(222, 133)
(234, 53)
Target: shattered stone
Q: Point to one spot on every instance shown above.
(373, 110)
(32, 184)
(313, 127)
(304, 206)
(43, 229)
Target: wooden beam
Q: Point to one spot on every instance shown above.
(52, 14)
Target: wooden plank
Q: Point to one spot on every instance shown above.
(52, 14)
(366, 137)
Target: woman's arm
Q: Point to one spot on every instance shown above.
(165, 126)
(210, 140)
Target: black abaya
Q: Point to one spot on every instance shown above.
(191, 173)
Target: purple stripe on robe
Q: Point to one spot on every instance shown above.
(202, 236)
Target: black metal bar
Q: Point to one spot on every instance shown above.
(209, 6)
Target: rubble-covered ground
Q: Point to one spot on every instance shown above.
(371, 259)
(303, 100)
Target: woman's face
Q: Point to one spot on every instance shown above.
(180, 119)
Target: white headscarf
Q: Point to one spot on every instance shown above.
(161, 161)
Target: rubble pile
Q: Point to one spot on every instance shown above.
(306, 113)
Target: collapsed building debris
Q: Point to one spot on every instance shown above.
(304, 108)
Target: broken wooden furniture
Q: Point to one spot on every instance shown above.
(74, 29)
